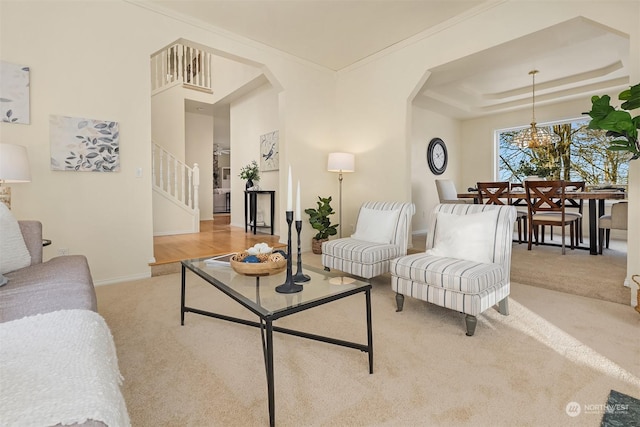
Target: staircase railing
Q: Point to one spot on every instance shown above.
(181, 63)
(175, 179)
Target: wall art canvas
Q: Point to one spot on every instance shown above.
(269, 152)
(84, 145)
(14, 93)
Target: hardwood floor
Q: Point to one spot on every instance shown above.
(215, 238)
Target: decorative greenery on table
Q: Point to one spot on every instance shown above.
(319, 219)
(250, 172)
(618, 123)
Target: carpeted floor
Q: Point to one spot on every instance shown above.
(523, 369)
(577, 272)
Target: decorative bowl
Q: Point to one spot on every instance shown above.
(258, 268)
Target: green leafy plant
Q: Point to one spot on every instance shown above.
(618, 123)
(319, 219)
(250, 172)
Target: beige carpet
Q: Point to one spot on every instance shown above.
(577, 272)
(521, 369)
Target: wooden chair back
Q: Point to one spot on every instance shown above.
(545, 196)
(576, 186)
(493, 193)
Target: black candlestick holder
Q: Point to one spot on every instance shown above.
(300, 276)
(289, 286)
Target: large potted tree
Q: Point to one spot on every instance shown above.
(319, 220)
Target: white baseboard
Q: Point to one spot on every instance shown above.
(122, 279)
(170, 233)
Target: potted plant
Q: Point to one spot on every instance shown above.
(251, 173)
(319, 220)
(618, 123)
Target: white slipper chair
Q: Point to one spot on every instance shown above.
(382, 234)
(466, 266)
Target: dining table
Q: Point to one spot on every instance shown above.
(595, 198)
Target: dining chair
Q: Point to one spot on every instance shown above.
(577, 205)
(498, 193)
(546, 201)
(447, 192)
(617, 220)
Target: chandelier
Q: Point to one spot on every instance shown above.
(534, 137)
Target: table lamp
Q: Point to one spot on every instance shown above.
(14, 167)
(341, 162)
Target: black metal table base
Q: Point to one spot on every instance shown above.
(267, 329)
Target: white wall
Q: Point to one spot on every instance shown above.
(104, 216)
(167, 120)
(171, 218)
(425, 126)
(364, 109)
(372, 96)
(253, 115)
(108, 216)
(199, 149)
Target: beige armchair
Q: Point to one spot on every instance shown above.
(616, 221)
(467, 264)
(382, 234)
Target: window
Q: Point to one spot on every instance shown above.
(581, 155)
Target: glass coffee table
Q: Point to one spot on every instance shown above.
(258, 295)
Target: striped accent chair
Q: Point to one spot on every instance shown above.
(467, 286)
(368, 259)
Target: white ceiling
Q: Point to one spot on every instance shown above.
(577, 58)
(331, 33)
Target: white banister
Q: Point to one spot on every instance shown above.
(182, 181)
(181, 63)
(196, 184)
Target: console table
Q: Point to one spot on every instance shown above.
(251, 202)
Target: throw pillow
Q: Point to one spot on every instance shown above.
(377, 226)
(13, 251)
(469, 237)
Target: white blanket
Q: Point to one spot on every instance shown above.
(59, 367)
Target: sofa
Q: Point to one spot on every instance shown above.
(58, 362)
(61, 283)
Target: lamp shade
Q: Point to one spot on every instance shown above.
(14, 163)
(341, 162)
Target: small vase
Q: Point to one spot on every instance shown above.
(249, 184)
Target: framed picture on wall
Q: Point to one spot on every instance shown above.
(269, 152)
(84, 145)
(14, 93)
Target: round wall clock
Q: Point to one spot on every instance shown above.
(437, 156)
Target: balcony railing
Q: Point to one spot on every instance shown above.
(181, 64)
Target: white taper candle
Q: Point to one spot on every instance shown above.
(298, 211)
(289, 195)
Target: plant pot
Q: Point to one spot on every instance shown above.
(316, 245)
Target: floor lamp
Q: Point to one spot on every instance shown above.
(341, 162)
(14, 167)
